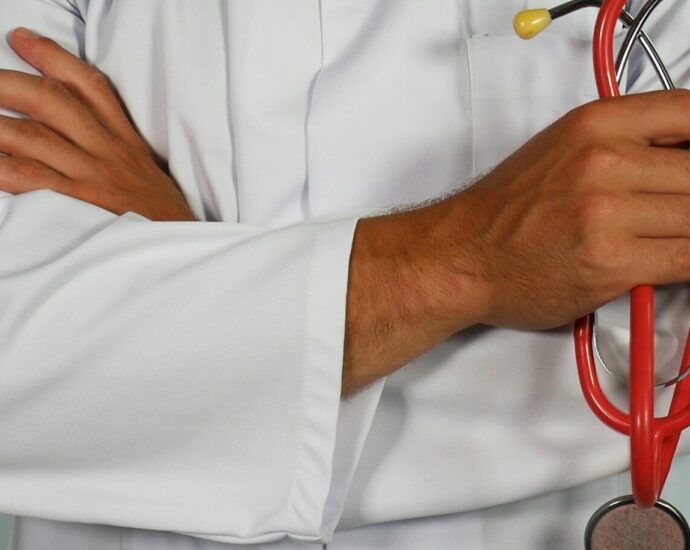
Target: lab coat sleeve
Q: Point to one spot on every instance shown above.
(172, 376)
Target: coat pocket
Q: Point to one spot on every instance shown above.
(520, 87)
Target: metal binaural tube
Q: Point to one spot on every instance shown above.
(530, 23)
(636, 30)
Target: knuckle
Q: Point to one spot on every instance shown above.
(29, 130)
(26, 170)
(681, 99)
(680, 260)
(586, 119)
(594, 212)
(601, 255)
(594, 162)
(53, 88)
(680, 96)
(127, 156)
(46, 43)
(109, 174)
(98, 82)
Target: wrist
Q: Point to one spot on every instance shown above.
(406, 292)
(454, 241)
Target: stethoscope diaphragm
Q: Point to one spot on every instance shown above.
(620, 524)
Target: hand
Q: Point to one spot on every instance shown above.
(595, 205)
(78, 140)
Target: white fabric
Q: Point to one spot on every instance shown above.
(276, 113)
(179, 376)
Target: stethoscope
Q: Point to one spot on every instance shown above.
(640, 520)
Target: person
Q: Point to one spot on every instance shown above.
(198, 262)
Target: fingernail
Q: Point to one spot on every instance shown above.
(25, 34)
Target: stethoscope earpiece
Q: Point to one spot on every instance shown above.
(530, 23)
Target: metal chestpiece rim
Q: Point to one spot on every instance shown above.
(626, 500)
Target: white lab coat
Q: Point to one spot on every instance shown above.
(184, 377)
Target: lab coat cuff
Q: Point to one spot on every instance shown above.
(354, 421)
(333, 430)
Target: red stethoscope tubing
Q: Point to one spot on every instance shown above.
(653, 441)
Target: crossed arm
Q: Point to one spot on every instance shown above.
(590, 208)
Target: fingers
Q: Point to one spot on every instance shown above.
(32, 140)
(19, 175)
(658, 118)
(631, 168)
(660, 261)
(655, 216)
(654, 118)
(48, 101)
(87, 83)
(621, 264)
(658, 170)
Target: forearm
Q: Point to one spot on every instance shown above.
(558, 229)
(136, 350)
(407, 292)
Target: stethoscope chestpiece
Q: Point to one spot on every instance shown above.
(623, 525)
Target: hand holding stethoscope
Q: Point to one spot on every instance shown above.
(642, 520)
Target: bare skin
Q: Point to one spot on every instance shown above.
(595, 205)
(78, 134)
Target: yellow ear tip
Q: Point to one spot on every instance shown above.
(530, 23)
